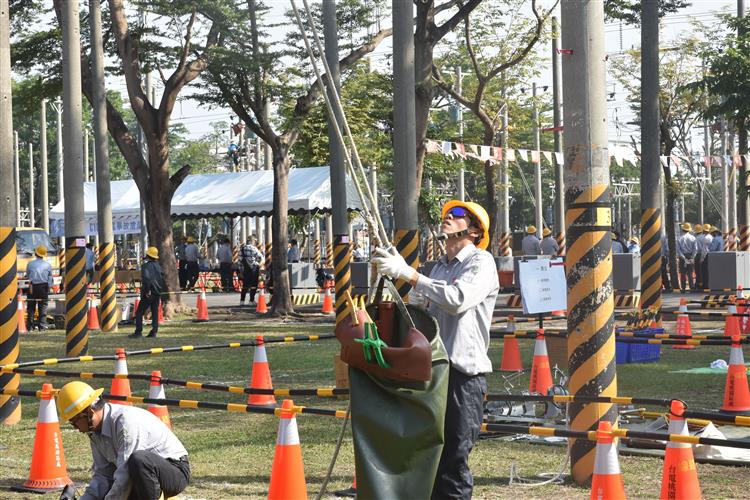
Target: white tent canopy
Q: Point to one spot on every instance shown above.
(208, 195)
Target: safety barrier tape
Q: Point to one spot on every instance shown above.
(705, 313)
(570, 398)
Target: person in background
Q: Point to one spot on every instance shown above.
(90, 263)
(530, 244)
(181, 262)
(617, 246)
(687, 249)
(715, 245)
(250, 259)
(665, 262)
(701, 250)
(39, 274)
(634, 245)
(224, 256)
(357, 253)
(152, 284)
(549, 245)
(292, 254)
(192, 256)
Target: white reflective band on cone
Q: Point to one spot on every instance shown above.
(736, 357)
(288, 435)
(47, 412)
(678, 426)
(121, 367)
(540, 348)
(260, 354)
(606, 459)
(156, 392)
(732, 309)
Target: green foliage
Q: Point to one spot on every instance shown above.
(629, 11)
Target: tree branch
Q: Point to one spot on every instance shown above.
(470, 48)
(188, 37)
(179, 176)
(447, 26)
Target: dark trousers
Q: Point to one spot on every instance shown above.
(147, 302)
(191, 270)
(463, 419)
(38, 295)
(249, 282)
(225, 269)
(686, 273)
(150, 475)
(182, 273)
(665, 273)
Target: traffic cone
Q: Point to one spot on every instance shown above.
(683, 325)
(22, 315)
(260, 377)
(202, 306)
(736, 392)
(160, 317)
(350, 492)
(120, 386)
(48, 469)
(606, 483)
(125, 311)
(541, 376)
(732, 323)
(261, 307)
(679, 481)
(511, 361)
(137, 303)
(288, 471)
(93, 324)
(156, 391)
(327, 299)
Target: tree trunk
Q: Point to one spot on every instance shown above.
(423, 61)
(282, 300)
(670, 225)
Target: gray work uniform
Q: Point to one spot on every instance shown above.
(549, 246)
(39, 272)
(530, 245)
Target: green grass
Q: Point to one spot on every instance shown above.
(231, 454)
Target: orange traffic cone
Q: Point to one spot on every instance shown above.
(160, 317)
(260, 377)
(683, 325)
(156, 391)
(327, 299)
(679, 481)
(48, 469)
(261, 307)
(93, 324)
(736, 392)
(120, 386)
(541, 376)
(137, 303)
(22, 315)
(732, 322)
(125, 311)
(511, 361)
(607, 481)
(350, 492)
(202, 306)
(288, 471)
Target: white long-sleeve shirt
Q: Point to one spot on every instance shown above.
(461, 295)
(687, 246)
(125, 430)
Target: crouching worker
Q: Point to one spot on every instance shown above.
(136, 456)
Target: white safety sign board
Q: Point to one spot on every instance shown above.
(543, 287)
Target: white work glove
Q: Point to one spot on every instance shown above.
(390, 263)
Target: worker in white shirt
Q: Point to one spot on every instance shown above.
(530, 244)
(687, 249)
(224, 256)
(192, 256)
(549, 245)
(39, 274)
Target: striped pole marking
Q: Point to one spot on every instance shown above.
(430, 253)
(651, 284)
(407, 244)
(61, 259)
(744, 238)
(342, 255)
(329, 254)
(107, 287)
(10, 407)
(505, 244)
(560, 238)
(76, 327)
(591, 340)
(317, 253)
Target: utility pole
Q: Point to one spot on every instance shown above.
(406, 193)
(10, 406)
(17, 171)
(460, 117)
(539, 217)
(732, 194)
(742, 206)
(557, 124)
(86, 170)
(32, 204)
(504, 205)
(76, 327)
(725, 224)
(107, 257)
(43, 161)
(591, 339)
(60, 170)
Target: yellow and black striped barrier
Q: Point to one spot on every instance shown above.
(306, 299)
(10, 407)
(514, 301)
(407, 244)
(108, 287)
(651, 284)
(505, 244)
(76, 317)
(627, 300)
(342, 257)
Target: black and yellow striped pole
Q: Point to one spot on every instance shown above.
(591, 339)
(107, 287)
(407, 244)
(651, 284)
(76, 319)
(342, 254)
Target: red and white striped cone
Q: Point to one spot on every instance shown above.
(22, 315)
(120, 386)
(260, 377)
(683, 324)
(156, 391)
(287, 471)
(541, 375)
(679, 480)
(606, 483)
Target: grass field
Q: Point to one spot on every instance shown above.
(231, 454)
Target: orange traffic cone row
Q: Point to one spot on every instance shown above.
(22, 315)
(511, 361)
(607, 482)
(202, 306)
(327, 298)
(93, 324)
(260, 377)
(679, 480)
(736, 392)
(261, 307)
(732, 322)
(156, 391)
(120, 385)
(683, 325)
(541, 376)
(288, 471)
(48, 469)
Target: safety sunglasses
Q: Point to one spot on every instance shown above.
(458, 212)
(78, 417)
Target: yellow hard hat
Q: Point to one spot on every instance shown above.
(686, 226)
(634, 239)
(531, 230)
(190, 239)
(698, 228)
(153, 253)
(479, 213)
(41, 251)
(75, 397)
(707, 228)
(546, 232)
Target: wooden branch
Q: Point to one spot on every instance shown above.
(440, 31)
(188, 37)
(178, 177)
(161, 72)
(470, 48)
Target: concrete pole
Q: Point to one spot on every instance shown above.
(506, 237)
(10, 407)
(32, 205)
(329, 241)
(406, 193)
(60, 170)
(373, 180)
(93, 159)
(539, 217)
(460, 115)
(732, 193)
(724, 186)
(43, 161)
(17, 172)
(591, 340)
(76, 330)
(557, 123)
(743, 216)
(86, 169)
